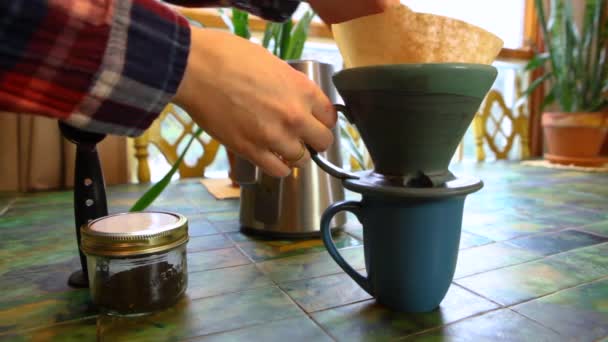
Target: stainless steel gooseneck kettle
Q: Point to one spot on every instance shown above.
(292, 206)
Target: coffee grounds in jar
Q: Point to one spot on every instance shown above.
(141, 289)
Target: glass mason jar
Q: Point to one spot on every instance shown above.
(137, 261)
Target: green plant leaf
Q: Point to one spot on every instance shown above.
(601, 49)
(149, 196)
(549, 98)
(268, 32)
(546, 29)
(285, 39)
(531, 88)
(240, 20)
(299, 36)
(591, 26)
(567, 34)
(536, 83)
(601, 104)
(537, 61)
(277, 32)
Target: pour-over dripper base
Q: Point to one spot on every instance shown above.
(367, 184)
(418, 179)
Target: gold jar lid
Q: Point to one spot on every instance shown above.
(136, 233)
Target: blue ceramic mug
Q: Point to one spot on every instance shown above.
(410, 246)
(411, 118)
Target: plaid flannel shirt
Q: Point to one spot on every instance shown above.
(108, 66)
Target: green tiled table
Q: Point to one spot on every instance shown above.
(533, 266)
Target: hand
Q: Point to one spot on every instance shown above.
(336, 11)
(254, 103)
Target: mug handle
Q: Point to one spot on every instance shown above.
(323, 163)
(355, 208)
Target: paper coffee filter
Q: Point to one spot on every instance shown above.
(400, 35)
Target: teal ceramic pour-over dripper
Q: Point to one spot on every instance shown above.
(411, 119)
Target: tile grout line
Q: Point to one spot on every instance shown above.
(340, 272)
(306, 313)
(582, 229)
(501, 307)
(213, 248)
(479, 295)
(322, 327)
(602, 278)
(306, 254)
(497, 308)
(219, 268)
(250, 325)
(243, 252)
(449, 324)
(533, 260)
(192, 338)
(533, 320)
(342, 305)
(44, 326)
(327, 308)
(277, 283)
(234, 291)
(529, 234)
(511, 306)
(577, 228)
(97, 314)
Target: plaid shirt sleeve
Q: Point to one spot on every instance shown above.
(107, 66)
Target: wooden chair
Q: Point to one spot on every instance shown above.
(489, 128)
(170, 130)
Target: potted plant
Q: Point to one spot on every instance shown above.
(575, 75)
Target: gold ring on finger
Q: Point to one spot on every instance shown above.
(299, 157)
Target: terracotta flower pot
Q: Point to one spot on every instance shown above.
(575, 138)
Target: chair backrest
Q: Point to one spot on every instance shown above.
(490, 128)
(169, 133)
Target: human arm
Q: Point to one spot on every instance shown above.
(107, 66)
(111, 66)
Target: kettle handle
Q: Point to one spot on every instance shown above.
(324, 164)
(245, 172)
